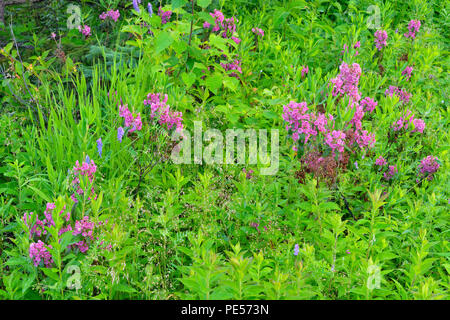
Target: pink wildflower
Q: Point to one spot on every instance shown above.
(380, 161)
(428, 166)
(39, 253)
(391, 173)
(408, 70)
(85, 30)
(413, 27)
(380, 39)
(336, 140)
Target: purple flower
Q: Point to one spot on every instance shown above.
(88, 160)
(296, 249)
(120, 133)
(136, 5)
(99, 146)
(347, 251)
(356, 165)
(150, 9)
(428, 166)
(380, 39)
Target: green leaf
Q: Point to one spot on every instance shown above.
(188, 78)
(163, 41)
(214, 82)
(51, 273)
(40, 193)
(231, 83)
(178, 3)
(329, 206)
(270, 115)
(204, 3)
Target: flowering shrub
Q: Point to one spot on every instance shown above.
(226, 27)
(380, 39)
(235, 65)
(346, 83)
(39, 254)
(159, 110)
(165, 15)
(82, 231)
(79, 183)
(111, 14)
(413, 27)
(403, 95)
(427, 167)
(132, 120)
(406, 120)
(359, 176)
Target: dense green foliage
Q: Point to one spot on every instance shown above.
(211, 231)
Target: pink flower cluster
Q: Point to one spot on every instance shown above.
(248, 173)
(160, 110)
(235, 65)
(301, 121)
(335, 140)
(380, 39)
(165, 15)
(365, 139)
(388, 175)
(131, 120)
(380, 161)
(305, 70)
(87, 170)
(347, 81)
(258, 32)
(85, 228)
(226, 27)
(38, 228)
(428, 166)
(403, 95)
(112, 14)
(408, 70)
(391, 170)
(413, 27)
(39, 253)
(408, 118)
(85, 30)
(369, 104)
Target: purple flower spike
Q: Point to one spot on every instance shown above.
(120, 134)
(100, 147)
